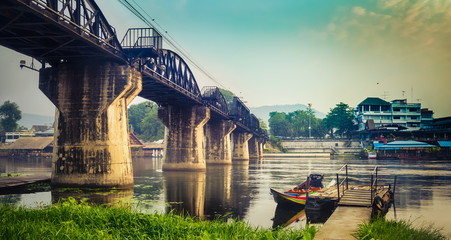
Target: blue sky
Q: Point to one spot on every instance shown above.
(304, 51)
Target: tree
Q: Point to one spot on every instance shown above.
(152, 129)
(279, 124)
(341, 118)
(10, 114)
(143, 118)
(296, 124)
(136, 113)
(228, 96)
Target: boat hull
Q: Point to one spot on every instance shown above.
(283, 198)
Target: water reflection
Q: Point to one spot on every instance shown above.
(94, 196)
(218, 198)
(28, 165)
(185, 192)
(148, 185)
(241, 191)
(287, 214)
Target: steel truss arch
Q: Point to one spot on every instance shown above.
(214, 98)
(171, 66)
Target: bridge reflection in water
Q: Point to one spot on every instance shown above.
(208, 195)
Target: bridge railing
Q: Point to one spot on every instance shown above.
(214, 98)
(254, 123)
(373, 185)
(344, 182)
(240, 112)
(142, 38)
(84, 15)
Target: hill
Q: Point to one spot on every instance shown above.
(263, 111)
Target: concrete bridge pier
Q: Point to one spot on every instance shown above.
(91, 147)
(219, 143)
(240, 146)
(254, 152)
(184, 148)
(261, 146)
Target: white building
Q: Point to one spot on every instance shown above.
(383, 113)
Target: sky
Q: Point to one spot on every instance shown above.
(274, 52)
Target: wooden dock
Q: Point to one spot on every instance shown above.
(356, 197)
(354, 206)
(343, 222)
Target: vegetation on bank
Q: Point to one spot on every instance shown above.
(143, 119)
(10, 174)
(302, 123)
(9, 116)
(70, 220)
(396, 229)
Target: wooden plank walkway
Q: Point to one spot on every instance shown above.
(356, 198)
(353, 209)
(343, 222)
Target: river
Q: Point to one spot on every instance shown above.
(423, 189)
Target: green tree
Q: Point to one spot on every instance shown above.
(263, 125)
(296, 124)
(136, 113)
(340, 118)
(279, 124)
(143, 118)
(228, 96)
(10, 114)
(152, 129)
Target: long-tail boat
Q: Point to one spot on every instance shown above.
(298, 194)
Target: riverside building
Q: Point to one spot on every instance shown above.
(398, 114)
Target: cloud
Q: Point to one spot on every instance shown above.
(396, 26)
(359, 11)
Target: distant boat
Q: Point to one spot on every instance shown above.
(372, 155)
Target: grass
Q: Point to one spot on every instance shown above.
(10, 174)
(397, 229)
(71, 220)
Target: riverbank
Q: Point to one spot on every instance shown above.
(69, 220)
(397, 229)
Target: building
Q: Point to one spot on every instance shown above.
(28, 146)
(427, 119)
(375, 109)
(11, 137)
(379, 113)
(406, 114)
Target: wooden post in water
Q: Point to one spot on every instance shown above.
(338, 188)
(376, 179)
(394, 188)
(347, 181)
(371, 189)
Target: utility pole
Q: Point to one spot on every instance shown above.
(309, 120)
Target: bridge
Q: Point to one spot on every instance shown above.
(91, 77)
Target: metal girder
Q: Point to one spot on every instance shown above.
(57, 30)
(170, 79)
(215, 100)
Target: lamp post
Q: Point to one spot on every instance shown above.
(309, 120)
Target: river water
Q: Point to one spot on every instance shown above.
(422, 194)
